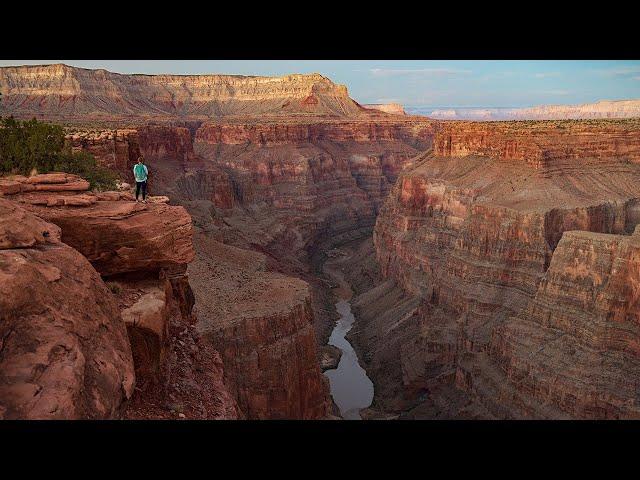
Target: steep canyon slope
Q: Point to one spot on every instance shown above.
(516, 242)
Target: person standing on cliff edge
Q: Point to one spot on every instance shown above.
(140, 173)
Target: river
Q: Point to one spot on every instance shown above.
(351, 388)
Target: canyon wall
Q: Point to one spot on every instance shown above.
(272, 133)
(542, 144)
(477, 231)
(320, 178)
(119, 149)
(262, 323)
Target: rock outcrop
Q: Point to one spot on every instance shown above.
(262, 324)
(480, 236)
(64, 352)
(142, 251)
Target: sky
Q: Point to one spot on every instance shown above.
(459, 83)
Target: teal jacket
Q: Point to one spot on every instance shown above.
(140, 172)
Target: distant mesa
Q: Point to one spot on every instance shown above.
(63, 92)
(392, 108)
(600, 109)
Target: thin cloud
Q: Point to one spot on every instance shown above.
(427, 72)
(497, 75)
(622, 71)
(556, 92)
(547, 74)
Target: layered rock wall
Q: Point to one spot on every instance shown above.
(541, 144)
(287, 133)
(262, 324)
(575, 344)
(507, 293)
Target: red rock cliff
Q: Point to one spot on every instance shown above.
(142, 250)
(542, 144)
(64, 92)
(64, 352)
(262, 324)
(337, 131)
(478, 237)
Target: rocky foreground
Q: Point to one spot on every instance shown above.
(261, 322)
(96, 307)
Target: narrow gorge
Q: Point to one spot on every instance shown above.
(297, 243)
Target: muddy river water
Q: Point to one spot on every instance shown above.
(351, 388)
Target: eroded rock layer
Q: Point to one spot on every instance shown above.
(480, 236)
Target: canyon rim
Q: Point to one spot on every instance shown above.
(445, 269)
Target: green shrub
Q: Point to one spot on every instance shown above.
(29, 145)
(85, 165)
(114, 287)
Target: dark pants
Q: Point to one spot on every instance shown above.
(143, 186)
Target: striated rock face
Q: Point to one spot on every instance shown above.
(64, 352)
(142, 251)
(601, 109)
(63, 92)
(307, 181)
(575, 345)
(157, 141)
(117, 149)
(513, 308)
(541, 144)
(262, 324)
(278, 133)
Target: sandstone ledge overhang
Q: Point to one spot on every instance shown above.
(113, 232)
